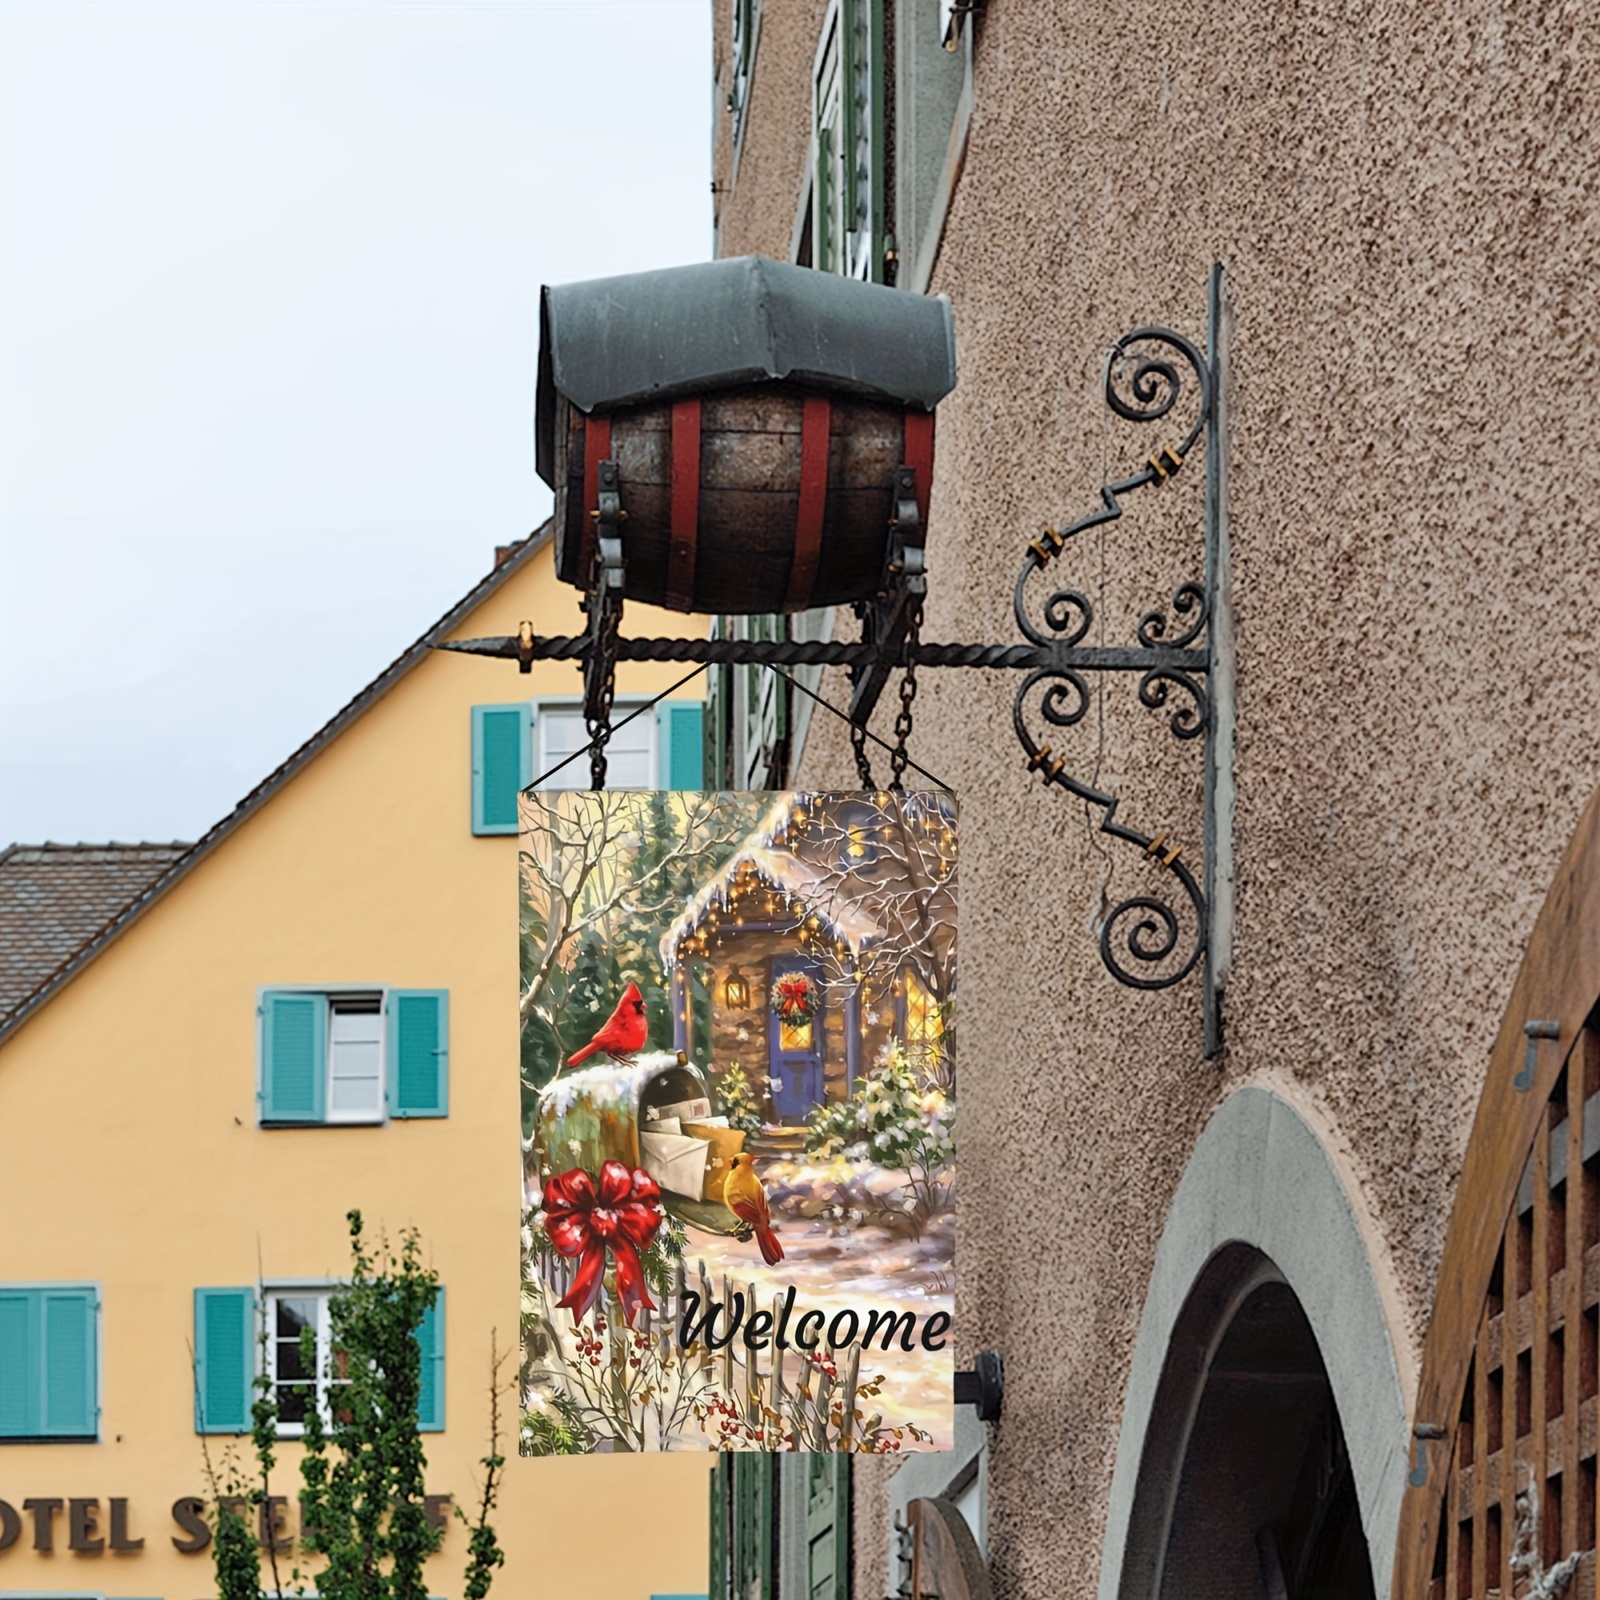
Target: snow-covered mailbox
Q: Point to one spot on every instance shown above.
(655, 1112)
(757, 414)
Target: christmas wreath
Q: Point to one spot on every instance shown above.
(794, 998)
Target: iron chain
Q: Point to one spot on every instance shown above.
(899, 756)
(599, 728)
(858, 743)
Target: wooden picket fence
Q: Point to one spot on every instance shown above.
(757, 1382)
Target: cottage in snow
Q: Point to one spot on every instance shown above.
(828, 933)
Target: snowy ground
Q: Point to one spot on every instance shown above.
(837, 1258)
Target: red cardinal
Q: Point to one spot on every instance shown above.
(746, 1198)
(624, 1033)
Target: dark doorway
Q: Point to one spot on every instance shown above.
(1245, 1488)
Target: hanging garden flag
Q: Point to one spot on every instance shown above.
(738, 1101)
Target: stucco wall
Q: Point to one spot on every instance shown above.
(1404, 197)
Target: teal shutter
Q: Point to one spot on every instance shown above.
(754, 1548)
(71, 1406)
(827, 1526)
(681, 743)
(224, 1359)
(20, 1364)
(430, 1341)
(502, 764)
(49, 1363)
(828, 182)
(418, 1037)
(847, 113)
(294, 1056)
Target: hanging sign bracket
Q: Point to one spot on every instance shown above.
(1182, 654)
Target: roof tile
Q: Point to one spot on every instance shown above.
(54, 899)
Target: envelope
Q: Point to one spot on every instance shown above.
(680, 1108)
(676, 1162)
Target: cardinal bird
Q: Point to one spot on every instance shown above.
(624, 1033)
(747, 1200)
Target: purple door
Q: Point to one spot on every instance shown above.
(795, 1053)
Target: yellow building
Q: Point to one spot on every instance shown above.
(209, 1055)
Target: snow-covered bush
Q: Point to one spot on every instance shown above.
(892, 1121)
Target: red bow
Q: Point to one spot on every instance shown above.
(622, 1214)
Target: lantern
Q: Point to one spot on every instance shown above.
(736, 990)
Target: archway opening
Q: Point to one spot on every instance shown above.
(1246, 1487)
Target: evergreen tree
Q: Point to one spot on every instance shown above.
(738, 1100)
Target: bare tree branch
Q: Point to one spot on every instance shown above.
(580, 878)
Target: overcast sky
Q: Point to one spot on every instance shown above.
(269, 283)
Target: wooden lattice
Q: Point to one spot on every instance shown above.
(1500, 1497)
(1519, 1500)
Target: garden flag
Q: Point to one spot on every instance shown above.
(738, 1099)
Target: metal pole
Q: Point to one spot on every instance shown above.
(1219, 777)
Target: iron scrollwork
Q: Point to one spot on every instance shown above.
(1152, 631)
(1153, 940)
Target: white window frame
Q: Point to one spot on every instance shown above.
(575, 775)
(743, 33)
(333, 994)
(323, 1291)
(921, 237)
(361, 1118)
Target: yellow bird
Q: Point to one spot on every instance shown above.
(744, 1196)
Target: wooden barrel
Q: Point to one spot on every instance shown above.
(759, 499)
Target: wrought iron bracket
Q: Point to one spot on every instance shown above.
(1182, 654)
(1153, 940)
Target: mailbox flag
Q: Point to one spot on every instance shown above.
(740, 1204)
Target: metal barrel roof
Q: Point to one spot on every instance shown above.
(723, 324)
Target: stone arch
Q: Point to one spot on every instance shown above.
(1261, 1203)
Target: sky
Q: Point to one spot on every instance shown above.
(269, 279)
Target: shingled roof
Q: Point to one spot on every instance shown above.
(54, 899)
(32, 973)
